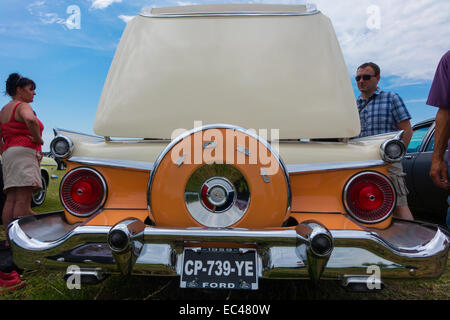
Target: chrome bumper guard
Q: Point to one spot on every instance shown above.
(309, 251)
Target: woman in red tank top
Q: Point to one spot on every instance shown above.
(20, 145)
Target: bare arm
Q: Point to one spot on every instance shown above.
(27, 115)
(405, 125)
(439, 171)
(1, 134)
(1, 142)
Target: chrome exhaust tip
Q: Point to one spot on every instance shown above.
(125, 239)
(322, 245)
(316, 246)
(118, 240)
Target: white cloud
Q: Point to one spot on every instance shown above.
(49, 18)
(125, 18)
(185, 3)
(412, 34)
(102, 4)
(39, 8)
(412, 37)
(31, 7)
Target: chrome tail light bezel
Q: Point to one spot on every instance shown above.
(384, 149)
(99, 205)
(69, 150)
(348, 206)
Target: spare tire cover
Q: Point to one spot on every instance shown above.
(219, 176)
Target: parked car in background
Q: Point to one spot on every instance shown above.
(426, 200)
(48, 170)
(60, 165)
(205, 164)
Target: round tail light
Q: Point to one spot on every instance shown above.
(369, 197)
(83, 191)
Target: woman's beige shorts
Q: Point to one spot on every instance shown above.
(21, 168)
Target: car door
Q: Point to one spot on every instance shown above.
(431, 197)
(417, 143)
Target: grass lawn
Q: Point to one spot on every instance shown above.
(45, 285)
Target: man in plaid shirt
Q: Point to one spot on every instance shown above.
(382, 112)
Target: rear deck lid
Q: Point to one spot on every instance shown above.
(254, 66)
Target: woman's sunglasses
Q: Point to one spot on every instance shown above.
(364, 77)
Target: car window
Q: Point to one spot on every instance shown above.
(430, 145)
(416, 139)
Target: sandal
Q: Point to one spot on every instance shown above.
(9, 276)
(10, 282)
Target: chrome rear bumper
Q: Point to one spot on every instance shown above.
(309, 251)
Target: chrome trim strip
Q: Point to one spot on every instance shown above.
(377, 136)
(428, 136)
(328, 166)
(117, 140)
(58, 130)
(220, 126)
(147, 12)
(399, 135)
(128, 164)
(291, 168)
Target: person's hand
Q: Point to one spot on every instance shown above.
(438, 174)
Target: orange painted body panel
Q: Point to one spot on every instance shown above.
(127, 189)
(316, 195)
(333, 221)
(109, 217)
(322, 191)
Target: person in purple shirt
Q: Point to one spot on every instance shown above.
(439, 96)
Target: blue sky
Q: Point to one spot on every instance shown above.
(69, 64)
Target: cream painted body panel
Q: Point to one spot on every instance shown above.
(292, 152)
(259, 72)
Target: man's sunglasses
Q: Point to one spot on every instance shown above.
(364, 77)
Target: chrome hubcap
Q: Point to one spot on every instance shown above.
(217, 195)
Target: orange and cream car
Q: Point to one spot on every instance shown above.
(212, 161)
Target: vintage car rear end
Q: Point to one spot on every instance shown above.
(209, 162)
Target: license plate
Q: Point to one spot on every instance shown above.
(219, 268)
